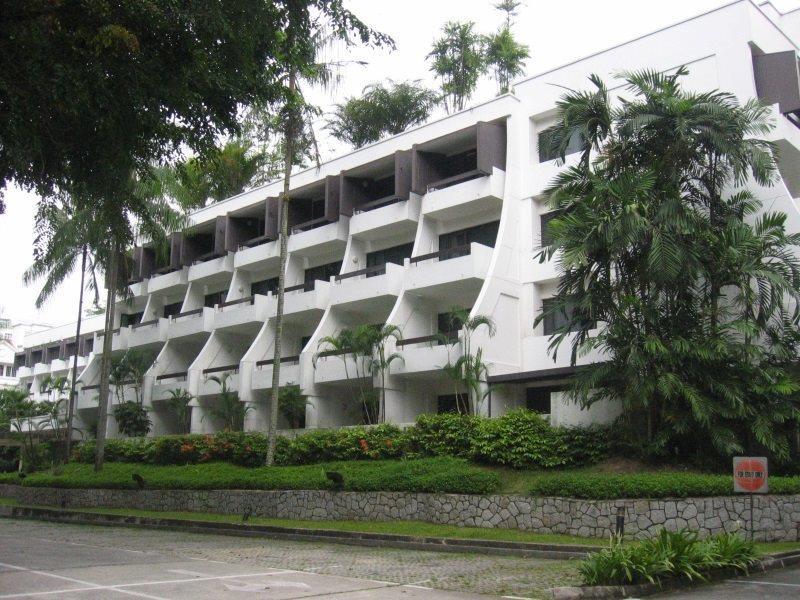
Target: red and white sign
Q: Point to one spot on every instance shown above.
(750, 475)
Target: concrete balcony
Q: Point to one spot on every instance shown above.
(300, 303)
(41, 368)
(59, 364)
(168, 282)
(262, 373)
(387, 221)
(139, 289)
(535, 354)
(164, 384)
(87, 396)
(546, 271)
(212, 388)
(338, 369)
(242, 312)
(191, 322)
(257, 257)
(119, 339)
(213, 270)
(326, 239)
(23, 372)
(544, 173)
(366, 285)
(423, 356)
(148, 333)
(472, 197)
(458, 268)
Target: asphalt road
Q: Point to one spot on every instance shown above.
(778, 585)
(71, 562)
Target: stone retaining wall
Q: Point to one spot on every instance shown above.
(775, 517)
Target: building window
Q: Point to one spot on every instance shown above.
(548, 150)
(452, 403)
(544, 221)
(537, 399)
(322, 272)
(557, 319)
(395, 255)
(485, 234)
(264, 287)
(214, 299)
(448, 324)
(126, 319)
(173, 309)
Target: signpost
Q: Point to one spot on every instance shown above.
(750, 476)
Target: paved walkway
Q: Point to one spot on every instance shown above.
(778, 585)
(41, 560)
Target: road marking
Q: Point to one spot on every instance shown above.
(185, 572)
(79, 581)
(417, 587)
(751, 582)
(517, 597)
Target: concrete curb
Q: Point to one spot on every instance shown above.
(768, 563)
(498, 547)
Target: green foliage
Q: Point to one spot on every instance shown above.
(292, 405)
(381, 110)
(669, 554)
(444, 435)
(523, 439)
(435, 475)
(666, 484)
(178, 404)
(227, 408)
(506, 57)
(132, 419)
(693, 283)
(353, 443)
(457, 59)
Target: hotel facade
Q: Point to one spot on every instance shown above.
(449, 214)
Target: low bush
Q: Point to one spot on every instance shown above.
(666, 484)
(669, 554)
(433, 475)
(519, 439)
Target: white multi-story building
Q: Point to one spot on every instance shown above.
(398, 232)
(12, 339)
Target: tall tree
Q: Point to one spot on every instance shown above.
(457, 59)
(64, 237)
(382, 109)
(693, 283)
(306, 35)
(505, 57)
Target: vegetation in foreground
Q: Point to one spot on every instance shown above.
(669, 554)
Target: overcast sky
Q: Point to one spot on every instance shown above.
(556, 31)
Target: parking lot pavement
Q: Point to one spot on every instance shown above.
(775, 585)
(48, 560)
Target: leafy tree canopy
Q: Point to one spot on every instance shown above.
(91, 91)
(383, 109)
(693, 283)
(457, 59)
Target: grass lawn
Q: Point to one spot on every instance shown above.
(442, 475)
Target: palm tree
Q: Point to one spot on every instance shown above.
(179, 404)
(690, 281)
(468, 370)
(457, 59)
(64, 234)
(506, 57)
(228, 408)
(381, 360)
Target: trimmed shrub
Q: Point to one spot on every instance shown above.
(669, 554)
(356, 443)
(447, 434)
(433, 475)
(667, 484)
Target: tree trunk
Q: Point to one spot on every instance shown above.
(71, 402)
(283, 240)
(105, 360)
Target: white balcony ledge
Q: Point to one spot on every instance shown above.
(193, 322)
(423, 359)
(212, 271)
(387, 221)
(41, 368)
(139, 289)
(320, 240)
(331, 369)
(161, 389)
(258, 257)
(428, 276)
(247, 311)
(212, 388)
(24, 372)
(473, 197)
(301, 304)
(169, 282)
(147, 334)
(361, 288)
(262, 375)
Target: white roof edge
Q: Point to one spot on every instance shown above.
(659, 30)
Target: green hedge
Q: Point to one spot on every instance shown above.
(667, 484)
(520, 439)
(435, 475)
